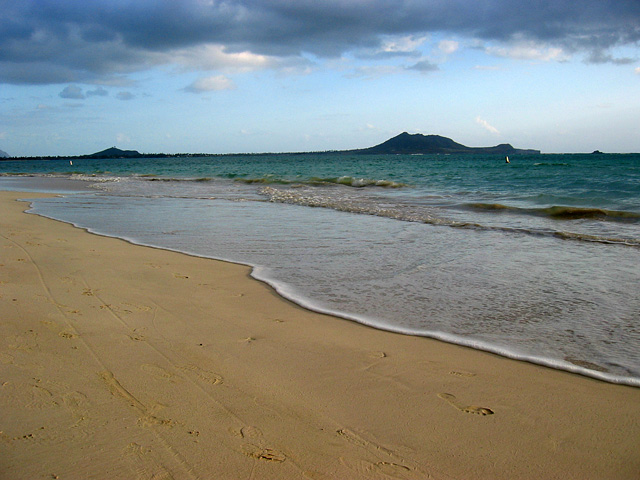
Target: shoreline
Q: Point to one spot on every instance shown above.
(580, 367)
(134, 361)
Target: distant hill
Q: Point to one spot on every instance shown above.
(114, 152)
(404, 143)
(4, 154)
(407, 144)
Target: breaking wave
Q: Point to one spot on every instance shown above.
(562, 212)
(422, 214)
(347, 181)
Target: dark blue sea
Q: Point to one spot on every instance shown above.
(537, 259)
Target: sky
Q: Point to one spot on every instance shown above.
(242, 76)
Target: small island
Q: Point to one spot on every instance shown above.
(114, 152)
(409, 144)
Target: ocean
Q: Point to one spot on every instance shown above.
(537, 259)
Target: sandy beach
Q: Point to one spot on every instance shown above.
(126, 362)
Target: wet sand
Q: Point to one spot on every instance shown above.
(122, 361)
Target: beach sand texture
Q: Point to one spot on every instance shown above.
(126, 362)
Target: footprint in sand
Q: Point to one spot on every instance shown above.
(246, 432)
(29, 395)
(453, 401)
(147, 417)
(257, 449)
(392, 469)
(157, 371)
(140, 308)
(24, 342)
(145, 462)
(360, 441)
(136, 336)
(461, 373)
(207, 376)
(250, 432)
(262, 453)
(382, 469)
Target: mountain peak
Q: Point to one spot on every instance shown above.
(407, 144)
(114, 152)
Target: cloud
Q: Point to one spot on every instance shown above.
(72, 91)
(598, 56)
(66, 41)
(528, 50)
(637, 70)
(448, 46)
(125, 96)
(394, 46)
(210, 56)
(424, 66)
(211, 84)
(100, 91)
(486, 125)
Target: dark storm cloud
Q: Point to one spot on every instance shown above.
(52, 41)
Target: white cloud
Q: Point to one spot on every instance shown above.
(393, 46)
(211, 84)
(528, 50)
(637, 70)
(482, 122)
(403, 44)
(448, 46)
(215, 57)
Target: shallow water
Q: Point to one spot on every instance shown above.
(538, 262)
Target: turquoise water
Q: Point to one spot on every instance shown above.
(538, 259)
